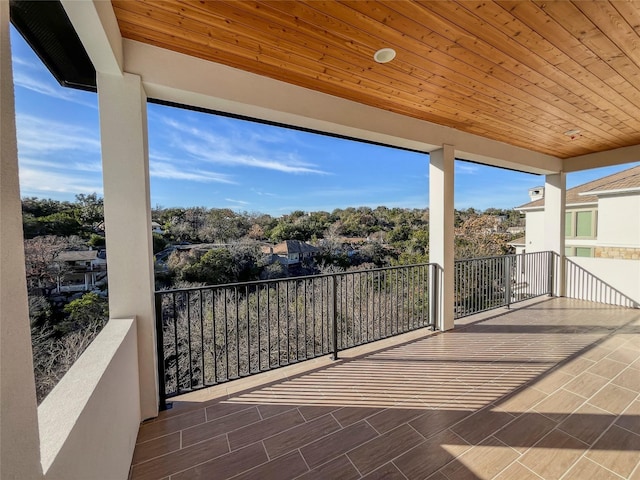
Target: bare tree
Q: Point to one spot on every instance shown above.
(53, 355)
(40, 260)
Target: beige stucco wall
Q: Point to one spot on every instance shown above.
(89, 422)
(619, 221)
(604, 280)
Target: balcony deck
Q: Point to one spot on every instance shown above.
(550, 390)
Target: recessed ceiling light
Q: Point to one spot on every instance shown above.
(572, 133)
(384, 55)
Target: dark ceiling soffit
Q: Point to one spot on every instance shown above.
(47, 29)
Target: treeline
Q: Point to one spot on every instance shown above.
(383, 236)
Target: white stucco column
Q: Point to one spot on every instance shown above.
(127, 214)
(554, 219)
(19, 438)
(441, 216)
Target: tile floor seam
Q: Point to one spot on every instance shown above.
(180, 449)
(156, 438)
(633, 472)
(247, 407)
(567, 415)
(516, 460)
(391, 460)
(299, 450)
(625, 429)
(584, 454)
(584, 457)
(194, 465)
(398, 469)
(527, 468)
(353, 465)
(366, 420)
(313, 440)
(243, 472)
(219, 434)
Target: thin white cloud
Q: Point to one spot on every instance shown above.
(42, 183)
(241, 202)
(38, 136)
(463, 168)
(261, 193)
(168, 170)
(37, 163)
(40, 81)
(229, 151)
(88, 166)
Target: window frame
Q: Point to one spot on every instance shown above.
(571, 219)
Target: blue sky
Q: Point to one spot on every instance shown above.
(198, 159)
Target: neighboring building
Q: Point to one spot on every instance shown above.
(156, 228)
(291, 252)
(81, 270)
(519, 244)
(602, 218)
(515, 230)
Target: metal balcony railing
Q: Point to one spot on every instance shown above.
(491, 282)
(214, 334)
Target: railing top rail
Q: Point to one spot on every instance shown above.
(289, 279)
(458, 260)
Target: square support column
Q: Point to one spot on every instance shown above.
(441, 235)
(127, 215)
(19, 437)
(554, 222)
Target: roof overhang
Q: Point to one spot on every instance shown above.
(197, 81)
(616, 192)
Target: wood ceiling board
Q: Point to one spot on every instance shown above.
(515, 72)
(527, 63)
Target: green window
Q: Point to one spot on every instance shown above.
(584, 224)
(568, 224)
(584, 252)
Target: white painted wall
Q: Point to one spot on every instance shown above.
(619, 221)
(534, 234)
(606, 280)
(19, 451)
(89, 421)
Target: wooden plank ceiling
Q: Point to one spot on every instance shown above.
(521, 72)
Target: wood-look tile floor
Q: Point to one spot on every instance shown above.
(550, 390)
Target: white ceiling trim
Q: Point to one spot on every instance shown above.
(95, 23)
(174, 77)
(608, 158)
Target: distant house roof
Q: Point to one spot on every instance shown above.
(294, 246)
(520, 241)
(587, 192)
(78, 256)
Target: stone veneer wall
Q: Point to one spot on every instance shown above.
(618, 252)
